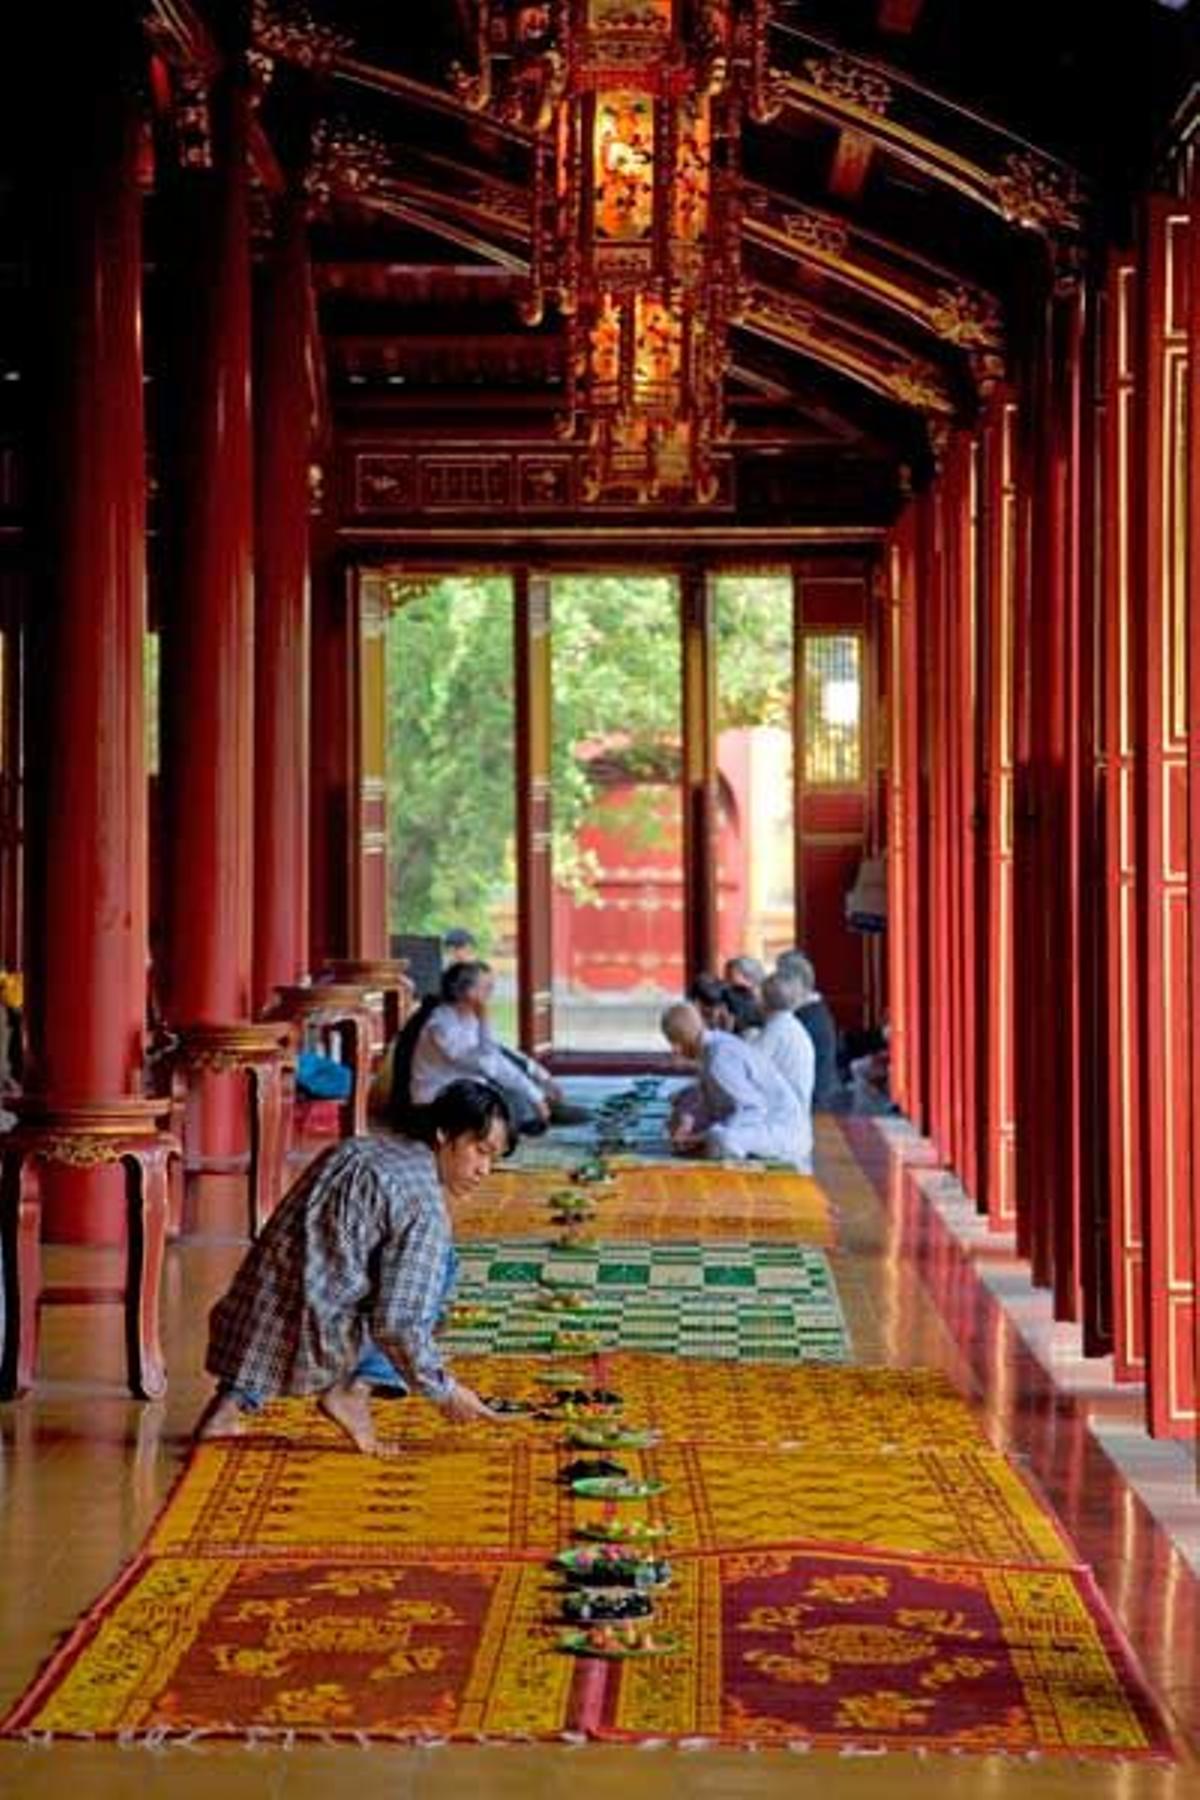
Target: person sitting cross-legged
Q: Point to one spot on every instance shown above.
(789, 1048)
(353, 1265)
(741, 1106)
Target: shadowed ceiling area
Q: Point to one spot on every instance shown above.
(891, 187)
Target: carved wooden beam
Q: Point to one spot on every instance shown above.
(880, 272)
(889, 370)
(180, 36)
(958, 150)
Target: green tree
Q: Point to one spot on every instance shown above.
(616, 672)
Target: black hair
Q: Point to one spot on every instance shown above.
(463, 1109)
(708, 990)
(460, 978)
(401, 1111)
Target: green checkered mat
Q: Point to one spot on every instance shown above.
(754, 1303)
(718, 1268)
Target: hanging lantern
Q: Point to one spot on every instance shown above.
(635, 107)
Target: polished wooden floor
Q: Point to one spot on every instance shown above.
(83, 1470)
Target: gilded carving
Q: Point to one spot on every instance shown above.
(346, 163)
(1037, 194)
(816, 232)
(291, 33)
(966, 317)
(782, 308)
(850, 83)
(191, 119)
(384, 483)
(919, 388)
(84, 1151)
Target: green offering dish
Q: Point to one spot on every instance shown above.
(616, 1487)
(610, 1437)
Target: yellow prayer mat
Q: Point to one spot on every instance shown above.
(502, 1499)
(852, 1564)
(659, 1203)
(823, 1410)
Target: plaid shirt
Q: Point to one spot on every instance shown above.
(361, 1243)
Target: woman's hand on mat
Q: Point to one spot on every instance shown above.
(462, 1406)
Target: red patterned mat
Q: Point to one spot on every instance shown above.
(786, 1647)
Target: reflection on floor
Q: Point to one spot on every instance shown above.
(83, 1471)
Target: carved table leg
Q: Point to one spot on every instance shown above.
(265, 1180)
(20, 1273)
(146, 1189)
(177, 1125)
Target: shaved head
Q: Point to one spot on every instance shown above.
(683, 1028)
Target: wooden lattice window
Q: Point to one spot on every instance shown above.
(832, 709)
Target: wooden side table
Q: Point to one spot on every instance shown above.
(265, 1053)
(340, 1013)
(93, 1136)
(387, 976)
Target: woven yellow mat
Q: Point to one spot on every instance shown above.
(853, 1566)
(497, 1499)
(821, 1409)
(655, 1203)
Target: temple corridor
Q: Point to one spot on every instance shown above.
(85, 1470)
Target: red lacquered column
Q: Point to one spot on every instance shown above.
(208, 612)
(334, 753)
(282, 406)
(86, 844)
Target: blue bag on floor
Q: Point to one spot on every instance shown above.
(320, 1078)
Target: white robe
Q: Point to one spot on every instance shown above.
(742, 1106)
(789, 1048)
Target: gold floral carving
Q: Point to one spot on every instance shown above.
(1037, 194)
(782, 309)
(816, 232)
(292, 34)
(82, 1152)
(346, 163)
(963, 316)
(842, 79)
(218, 1062)
(191, 119)
(920, 389)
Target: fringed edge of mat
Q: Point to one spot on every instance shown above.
(291, 1738)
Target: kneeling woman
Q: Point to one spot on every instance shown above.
(359, 1249)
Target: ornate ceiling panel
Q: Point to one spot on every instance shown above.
(786, 224)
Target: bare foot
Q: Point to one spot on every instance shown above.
(349, 1407)
(222, 1417)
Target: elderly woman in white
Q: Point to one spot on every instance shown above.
(788, 1047)
(741, 1106)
